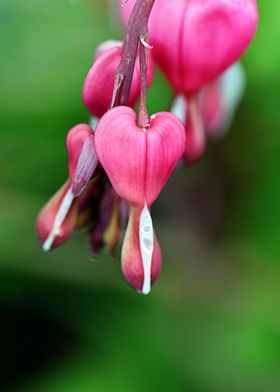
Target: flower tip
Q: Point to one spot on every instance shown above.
(146, 290)
(141, 256)
(57, 219)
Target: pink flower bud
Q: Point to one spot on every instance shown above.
(138, 161)
(46, 219)
(195, 41)
(141, 256)
(99, 83)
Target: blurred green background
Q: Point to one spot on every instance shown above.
(212, 321)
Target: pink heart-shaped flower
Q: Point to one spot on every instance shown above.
(138, 161)
(196, 40)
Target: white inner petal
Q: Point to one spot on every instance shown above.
(93, 121)
(179, 108)
(146, 237)
(233, 82)
(59, 219)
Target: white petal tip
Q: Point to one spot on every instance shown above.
(146, 290)
(58, 220)
(146, 238)
(179, 108)
(46, 247)
(93, 121)
(144, 43)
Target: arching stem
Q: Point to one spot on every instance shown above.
(136, 28)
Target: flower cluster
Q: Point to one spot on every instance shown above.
(119, 164)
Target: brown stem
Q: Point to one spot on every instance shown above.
(137, 27)
(143, 118)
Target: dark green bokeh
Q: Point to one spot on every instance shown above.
(71, 324)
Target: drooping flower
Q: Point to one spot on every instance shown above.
(58, 218)
(99, 83)
(196, 40)
(138, 162)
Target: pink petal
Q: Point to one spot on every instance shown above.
(75, 140)
(138, 161)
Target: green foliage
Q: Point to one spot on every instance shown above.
(70, 324)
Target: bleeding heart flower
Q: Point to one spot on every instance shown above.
(99, 83)
(196, 40)
(58, 218)
(138, 161)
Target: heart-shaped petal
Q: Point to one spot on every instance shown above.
(138, 161)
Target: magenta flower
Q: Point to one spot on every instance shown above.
(195, 41)
(138, 162)
(58, 218)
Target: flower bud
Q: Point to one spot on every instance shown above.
(195, 41)
(138, 161)
(141, 256)
(99, 83)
